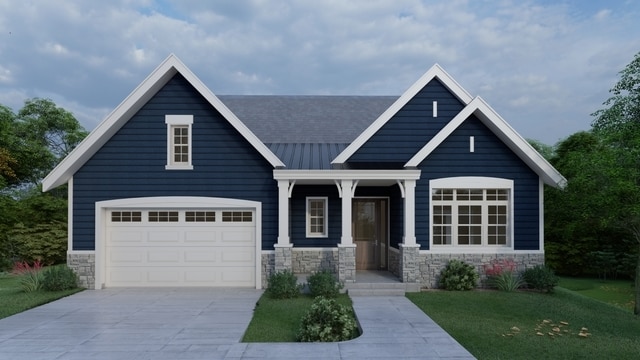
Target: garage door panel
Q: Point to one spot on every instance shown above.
(160, 256)
(164, 236)
(241, 237)
(180, 253)
(209, 237)
(124, 257)
(126, 236)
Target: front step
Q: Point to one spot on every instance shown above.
(380, 288)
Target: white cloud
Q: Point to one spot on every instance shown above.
(543, 65)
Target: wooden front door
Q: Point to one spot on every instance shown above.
(370, 228)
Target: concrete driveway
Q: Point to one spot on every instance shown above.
(197, 324)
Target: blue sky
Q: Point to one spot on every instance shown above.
(544, 65)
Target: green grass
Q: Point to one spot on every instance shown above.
(13, 300)
(484, 321)
(614, 292)
(276, 320)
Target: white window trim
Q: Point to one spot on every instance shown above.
(325, 230)
(473, 182)
(178, 120)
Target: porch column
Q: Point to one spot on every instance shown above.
(283, 251)
(283, 212)
(347, 196)
(346, 248)
(410, 212)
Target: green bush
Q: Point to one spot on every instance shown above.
(44, 242)
(506, 281)
(327, 321)
(323, 283)
(59, 278)
(283, 285)
(31, 281)
(541, 278)
(458, 275)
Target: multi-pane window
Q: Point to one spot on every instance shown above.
(179, 142)
(237, 216)
(126, 216)
(468, 217)
(163, 216)
(316, 217)
(200, 216)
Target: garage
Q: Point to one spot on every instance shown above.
(179, 246)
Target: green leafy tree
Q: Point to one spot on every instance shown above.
(618, 124)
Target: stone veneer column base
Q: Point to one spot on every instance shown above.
(346, 263)
(283, 257)
(409, 263)
(84, 264)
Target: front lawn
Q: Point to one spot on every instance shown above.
(13, 300)
(276, 320)
(615, 292)
(525, 325)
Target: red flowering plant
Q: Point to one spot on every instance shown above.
(502, 275)
(31, 275)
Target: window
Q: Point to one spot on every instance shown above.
(317, 217)
(179, 142)
(163, 216)
(200, 216)
(237, 216)
(126, 216)
(470, 216)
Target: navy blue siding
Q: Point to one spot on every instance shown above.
(492, 158)
(410, 128)
(298, 218)
(132, 164)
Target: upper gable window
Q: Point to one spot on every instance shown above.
(179, 142)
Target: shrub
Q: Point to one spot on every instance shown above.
(58, 278)
(327, 321)
(541, 278)
(283, 285)
(31, 275)
(323, 283)
(458, 275)
(503, 276)
(45, 242)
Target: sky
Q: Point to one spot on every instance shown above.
(543, 65)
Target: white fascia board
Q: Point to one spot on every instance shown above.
(283, 174)
(491, 119)
(131, 104)
(435, 72)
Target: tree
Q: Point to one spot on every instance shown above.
(618, 124)
(46, 134)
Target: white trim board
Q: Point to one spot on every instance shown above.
(130, 105)
(436, 71)
(504, 132)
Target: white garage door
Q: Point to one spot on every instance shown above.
(180, 247)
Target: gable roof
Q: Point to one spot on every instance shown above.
(131, 104)
(504, 132)
(435, 72)
(307, 119)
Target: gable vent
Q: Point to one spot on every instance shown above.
(435, 109)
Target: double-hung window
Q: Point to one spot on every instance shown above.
(179, 142)
(317, 217)
(467, 212)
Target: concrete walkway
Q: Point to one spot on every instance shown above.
(185, 324)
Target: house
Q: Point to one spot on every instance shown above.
(179, 187)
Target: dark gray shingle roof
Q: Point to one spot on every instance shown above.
(307, 118)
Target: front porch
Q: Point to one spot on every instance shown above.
(373, 283)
